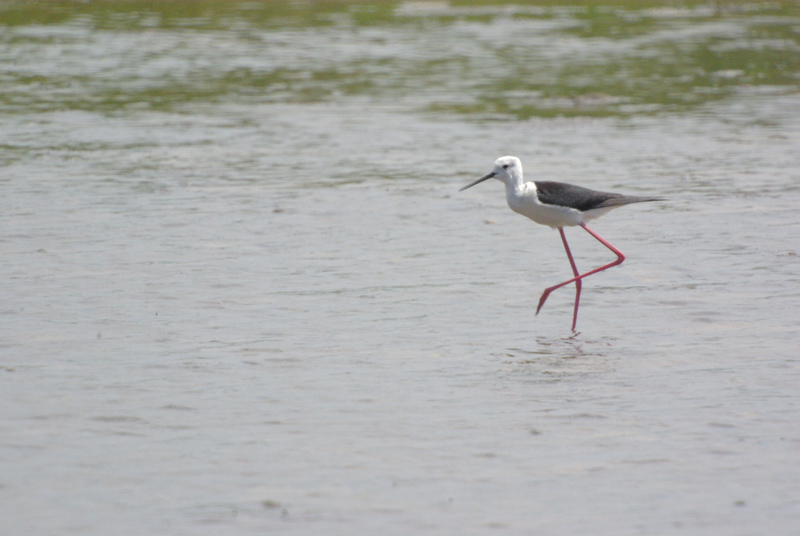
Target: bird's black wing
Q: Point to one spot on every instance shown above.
(583, 199)
(577, 197)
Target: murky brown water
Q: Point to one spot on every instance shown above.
(241, 294)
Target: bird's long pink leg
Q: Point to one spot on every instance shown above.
(578, 282)
(577, 278)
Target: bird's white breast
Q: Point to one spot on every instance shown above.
(524, 201)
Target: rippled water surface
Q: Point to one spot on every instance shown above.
(241, 293)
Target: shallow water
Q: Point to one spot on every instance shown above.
(241, 294)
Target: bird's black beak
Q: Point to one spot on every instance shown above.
(470, 185)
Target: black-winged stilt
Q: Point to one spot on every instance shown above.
(558, 205)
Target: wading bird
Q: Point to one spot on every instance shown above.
(558, 205)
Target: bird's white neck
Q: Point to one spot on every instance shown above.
(514, 185)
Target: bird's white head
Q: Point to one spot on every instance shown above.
(506, 169)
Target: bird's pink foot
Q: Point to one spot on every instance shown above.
(543, 299)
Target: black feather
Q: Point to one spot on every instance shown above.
(580, 198)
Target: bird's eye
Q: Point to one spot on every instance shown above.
(505, 166)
